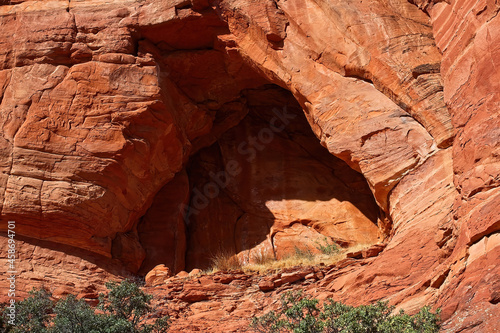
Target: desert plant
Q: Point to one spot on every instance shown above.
(300, 314)
(161, 325)
(339, 317)
(377, 318)
(125, 301)
(32, 313)
(76, 316)
(225, 260)
(123, 310)
(303, 254)
(327, 248)
(127, 306)
(268, 323)
(422, 322)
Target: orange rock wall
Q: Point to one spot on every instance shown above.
(467, 35)
(286, 190)
(112, 114)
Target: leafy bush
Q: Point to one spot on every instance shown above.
(76, 316)
(300, 314)
(328, 248)
(123, 310)
(33, 313)
(125, 301)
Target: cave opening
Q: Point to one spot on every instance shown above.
(283, 189)
(266, 187)
(257, 182)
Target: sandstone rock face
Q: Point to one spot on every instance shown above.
(141, 133)
(375, 126)
(268, 187)
(157, 275)
(60, 268)
(470, 59)
(96, 118)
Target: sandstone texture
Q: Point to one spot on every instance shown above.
(146, 137)
(286, 191)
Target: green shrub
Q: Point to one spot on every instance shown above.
(126, 301)
(268, 323)
(300, 314)
(32, 313)
(328, 248)
(76, 316)
(123, 310)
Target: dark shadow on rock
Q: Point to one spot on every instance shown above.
(267, 174)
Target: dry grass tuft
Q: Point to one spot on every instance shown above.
(225, 261)
(357, 247)
(303, 258)
(261, 257)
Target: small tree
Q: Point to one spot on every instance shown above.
(126, 301)
(123, 310)
(300, 314)
(76, 316)
(33, 313)
(128, 307)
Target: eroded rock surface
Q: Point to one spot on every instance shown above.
(113, 115)
(269, 188)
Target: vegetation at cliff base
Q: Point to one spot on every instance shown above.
(299, 314)
(325, 252)
(124, 309)
(127, 309)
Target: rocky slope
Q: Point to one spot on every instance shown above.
(137, 133)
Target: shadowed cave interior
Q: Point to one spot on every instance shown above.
(265, 187)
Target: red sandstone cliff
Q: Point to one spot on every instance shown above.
(360, 121)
